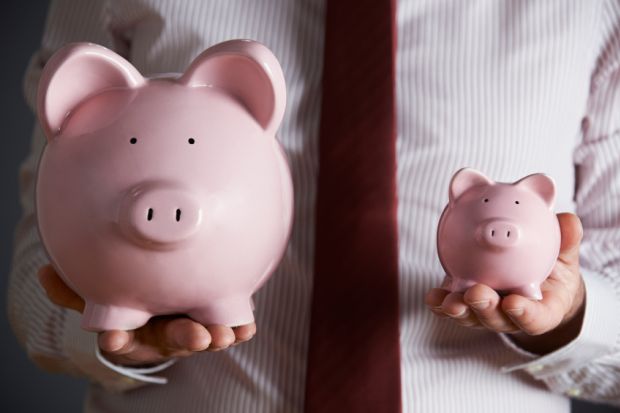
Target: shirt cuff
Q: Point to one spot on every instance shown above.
(82, 349)
(599, 334)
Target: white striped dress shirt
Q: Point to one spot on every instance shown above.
(507, 87)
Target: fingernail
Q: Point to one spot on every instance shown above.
(462, 314)
(517, 312)
(480, 305)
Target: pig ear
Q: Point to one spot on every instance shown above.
(248, 71)
(540, 184)
(465, 179)
(75, 73)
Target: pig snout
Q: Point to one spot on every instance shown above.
(161, 216)
(498, 233)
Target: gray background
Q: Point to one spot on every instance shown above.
(24, 387)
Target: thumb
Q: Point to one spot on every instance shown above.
(57, 291)
(571, 232)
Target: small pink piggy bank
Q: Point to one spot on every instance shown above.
(503, 235)
(164, 195)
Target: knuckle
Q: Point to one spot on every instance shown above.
(508, 329)
(490, 321)
(484, 310)
(493, 324)
(179, 353)
(467, 323)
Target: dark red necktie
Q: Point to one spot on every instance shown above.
(354, 352)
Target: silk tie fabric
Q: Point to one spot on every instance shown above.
(354, 352)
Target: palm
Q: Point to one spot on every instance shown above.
(563, 295)
(161, 338)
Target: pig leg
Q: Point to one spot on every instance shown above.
(530, 291)
(99, 317)
(458, 285)
(230, 312)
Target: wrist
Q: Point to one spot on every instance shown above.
(560, 336)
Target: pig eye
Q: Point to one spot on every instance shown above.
(133, 140)
(517, 202)
(486, 199)
(191, 141)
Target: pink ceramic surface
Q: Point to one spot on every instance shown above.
(499, 234)
(164, 195)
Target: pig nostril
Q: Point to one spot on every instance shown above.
(178, 215)
(149, 215)
(493, 233)
(508, 234)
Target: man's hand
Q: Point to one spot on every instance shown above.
(160, 339)
(539, 326)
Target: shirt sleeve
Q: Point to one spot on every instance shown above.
(589, 366)
(50, 334)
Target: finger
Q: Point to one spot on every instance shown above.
(571, 232)
(535, 317)
(454, 307)
(433, 300)
(484, 302)
(160, 339)
(57, 291)
(221, 337)
(184, 334)
(122, 347)
(116, 341)
(244, 333)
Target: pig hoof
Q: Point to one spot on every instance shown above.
(530, 291)
(98, 317)
(232, 313)
(459, 285)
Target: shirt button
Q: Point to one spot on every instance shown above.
(535, 368)
(573, 392)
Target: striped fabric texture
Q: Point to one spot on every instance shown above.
(507, 87)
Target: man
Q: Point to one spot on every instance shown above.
(511, 88)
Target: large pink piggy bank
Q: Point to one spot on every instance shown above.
(503, 235)
(163, 195)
